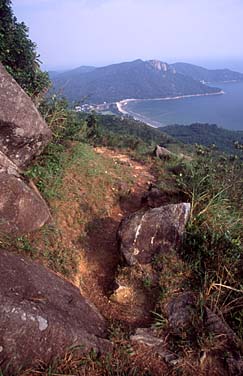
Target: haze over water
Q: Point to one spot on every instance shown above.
(224, 110)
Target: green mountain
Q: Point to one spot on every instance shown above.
(205, 134)
(137, 79)
(207, 75)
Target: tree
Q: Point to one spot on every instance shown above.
(92, 126)
(18, 53)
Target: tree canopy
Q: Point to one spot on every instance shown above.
(18, 53)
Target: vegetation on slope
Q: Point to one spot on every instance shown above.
(84, 191)
(81, 187)
(18, 53)
(206, 134)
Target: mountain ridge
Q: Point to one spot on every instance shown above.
(207, 75)
(127, 80)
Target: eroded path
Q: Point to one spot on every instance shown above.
(98, 190)
(98, 267)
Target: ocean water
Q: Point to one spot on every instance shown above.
(224, 110)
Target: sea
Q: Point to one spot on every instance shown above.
(224, 110)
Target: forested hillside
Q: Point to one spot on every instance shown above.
(206, 134)
(137, 79)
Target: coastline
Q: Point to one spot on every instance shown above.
(121, 104)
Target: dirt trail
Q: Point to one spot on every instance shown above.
(99, 265)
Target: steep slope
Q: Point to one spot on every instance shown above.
(138, 79)
(208, 75)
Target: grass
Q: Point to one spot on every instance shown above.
(79, 185)
(47, 172)
(211, 253)
(118, 363)
(212, 245)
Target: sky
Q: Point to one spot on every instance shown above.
(71, 33)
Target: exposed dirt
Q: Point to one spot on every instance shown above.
(98, 267)
(87, 220)
(84, 241)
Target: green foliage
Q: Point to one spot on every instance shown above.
(64, 123)
(23, 244)
(133, 128)
(49, 170)
(213, 243)
(208, 135)
(18, 53)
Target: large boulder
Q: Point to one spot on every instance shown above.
(42, 316)
(162, 153)
(144, 234)
(22, 209)
(23, 132)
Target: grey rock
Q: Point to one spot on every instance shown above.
(22, 209)
(216, 325)
(162, 153)
(7, 166)
(181, 311)
(42, 316)
(23, 132)
(226, 342)
(147, 337)
(144, 234)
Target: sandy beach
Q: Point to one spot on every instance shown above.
(122, 104)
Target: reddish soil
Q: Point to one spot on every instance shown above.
(99, 265)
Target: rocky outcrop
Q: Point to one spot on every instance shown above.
(162, 153)
(23, 132)
(181, 311)
(22, 209)
(142, 235)
(42, 315)
(8, 166)
(23, 135)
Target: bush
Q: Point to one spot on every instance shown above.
(213, 242)
(18, 53)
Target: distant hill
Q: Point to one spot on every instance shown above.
(68, 74)
(137, 79)
(53, 74)
(207, 75)
(205, 134)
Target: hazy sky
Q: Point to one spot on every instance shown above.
(71, 33)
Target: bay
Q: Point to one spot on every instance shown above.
(224, 110)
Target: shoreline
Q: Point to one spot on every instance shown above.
(121, 104)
